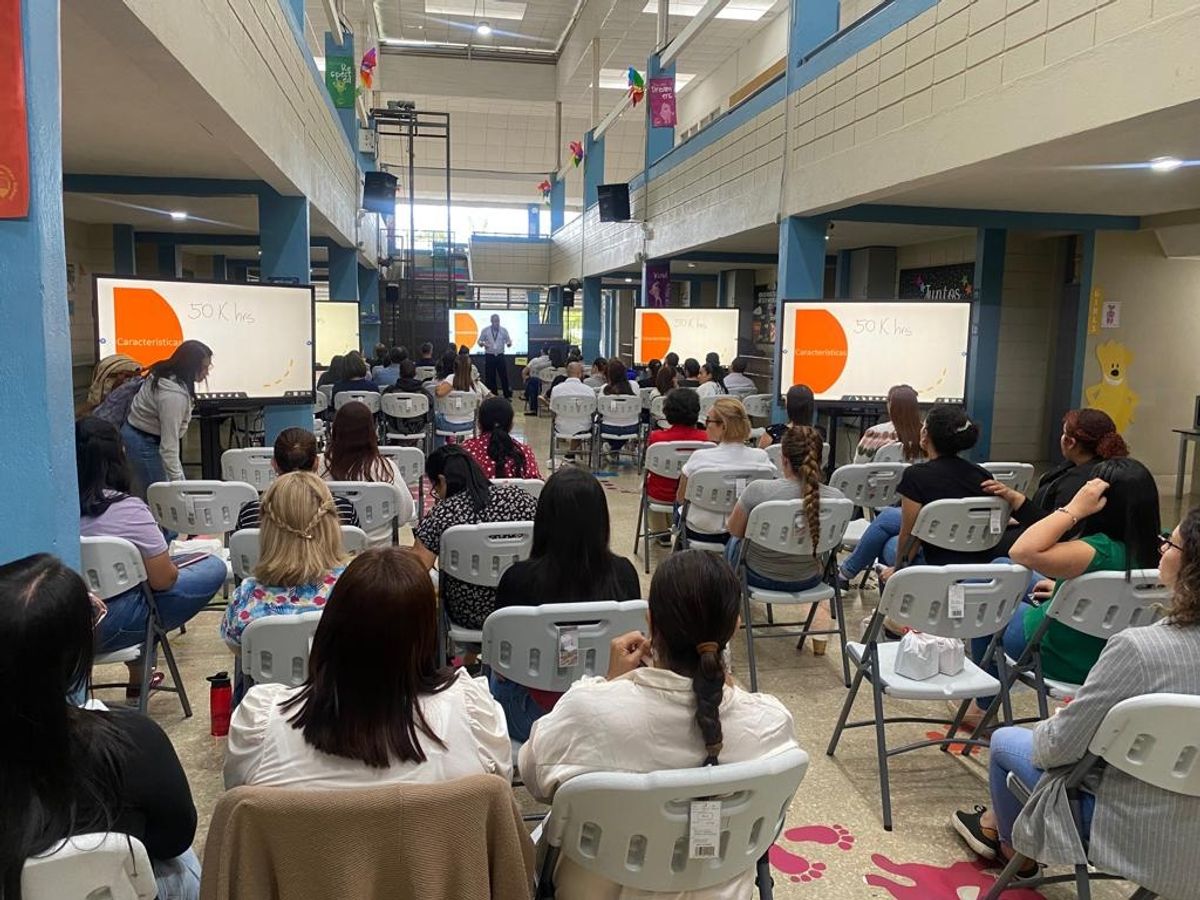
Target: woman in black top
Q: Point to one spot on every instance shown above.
(67, 771)
(570, 562)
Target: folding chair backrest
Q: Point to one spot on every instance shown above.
(463, 404)
(780, 525)
(425, 372)
(108, 865)
(1103, 603)
(370, 398)
(320, 401)
(1156, 739)
(377, 503)
(742, 392)
(647, 395)
(964, 526)
(893, 452)
(480, 554)
(410, 462)
(918, 597)
(758, 406)
(275, 648)
(706, 404)
(573, 406)
(619, 406)
(870, 485)
(632, 829)
(245, 547)
(1016, 475)
(522, 642)
(404, 406)
(531, 486)
(656, 408)
(249, 464)
(717, 490)
(327, 390)
(666, 458)
(199, 507)
(110, 565)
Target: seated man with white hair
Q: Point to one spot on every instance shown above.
(572, 386)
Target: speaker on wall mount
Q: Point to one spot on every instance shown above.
(568, 291)
(379, 193)
(614, 202)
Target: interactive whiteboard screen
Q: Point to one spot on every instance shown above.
(337, 330)
(261, 335)
(689, 332)
(466, 325)
(856, 351)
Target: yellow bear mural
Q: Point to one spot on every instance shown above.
(1113, 394)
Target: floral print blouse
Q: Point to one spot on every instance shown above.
(252, 600)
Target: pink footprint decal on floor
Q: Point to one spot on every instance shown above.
(795, 867)
(799, 868)
(961, 881)
(822, 834)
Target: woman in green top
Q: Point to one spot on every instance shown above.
(1118, 518)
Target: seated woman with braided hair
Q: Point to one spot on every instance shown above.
(769, 569)
(301, 555)
(499, 455)
(667, 703)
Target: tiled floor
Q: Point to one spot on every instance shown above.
(834, 845)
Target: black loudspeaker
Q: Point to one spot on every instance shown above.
(568, 297)
(392, 293)
(379, 193)
(614, 202)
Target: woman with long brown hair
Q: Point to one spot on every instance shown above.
(903, 426)
(464, 379)
(352, 454)
(376, 707)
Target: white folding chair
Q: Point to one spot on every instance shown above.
(369, 398)
(967, 525)
(657, 418)
(327, 390)
(871, 486)
(531, 486)
(890, 453)
(199, 507)
(647, 395)
(1015, 475)
(666, 458)
(479, 555)
(633, 828)
(245, 547)
(758, 406)
(781, 526)
(410, 463)
(251, 465)
(618, 409)
(1154, 738)
(716, 490)
(917, 597)
(107, 865)
(706, 404)
(376, 503)
(275, 648)
(461, 405)
(572, 407)
(424, 373)
(111, 566)
(407, 407)
(320, 401)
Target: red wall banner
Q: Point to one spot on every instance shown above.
(14, 134)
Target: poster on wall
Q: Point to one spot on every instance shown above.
(955, 282)
(662, 102)
(658, 284)
(14, 136)
(762, 328)
(340, 80)
(689, 332)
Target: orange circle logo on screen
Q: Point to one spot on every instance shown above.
(146, 326)
(466, 332)
(819, 353)
(656, 336)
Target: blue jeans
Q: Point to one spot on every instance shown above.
(142, 449)
(178, 878)
(880, 541)
(520, 709)
(1014, 641)
(125, 624)
(762, 581)
(1011, 750)
(630, 430)
(533, 389)
(441, 423)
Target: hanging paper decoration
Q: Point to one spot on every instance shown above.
(366, 69)
(576, 152)
(637, 86)
(544, 187)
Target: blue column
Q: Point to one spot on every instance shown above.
(558, 204)
(283, 231)
(1087, 246)
(368, 308)
(985, 333)
(659, 141)
(554, 307)
(842, 280)
(220, 269)
(593, 168)
(801, 277)
(40, 512)
(812, 22)
(124, 250)
(170, 261)
(295, 9)
(347, 117)
(343, 273)
(590, 345)
(721, 299)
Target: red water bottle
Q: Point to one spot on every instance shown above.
(220, 703)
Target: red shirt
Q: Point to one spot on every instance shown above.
(659, 487)
(476, 448)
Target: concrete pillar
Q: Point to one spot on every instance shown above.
(590, 345)
(368, 308)
(872, 274)
(801, 276)
(40, 512)
(124, 250)
(170, 261)
(985, 333)
(593, 168)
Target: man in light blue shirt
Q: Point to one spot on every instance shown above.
(494, 340)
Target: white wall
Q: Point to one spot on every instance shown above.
(510, 262)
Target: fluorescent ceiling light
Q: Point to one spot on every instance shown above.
(629, 281)
(618, 79)
(483, 29)
(743, 10)
(179, 215)
(474, 9)
(1165, 164)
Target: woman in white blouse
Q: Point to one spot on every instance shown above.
(666, 704)
(375, 709)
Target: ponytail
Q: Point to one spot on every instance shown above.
(502, 450)
(708, 684)
(802, 447)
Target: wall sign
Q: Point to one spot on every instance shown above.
(14, 136)
(955, 282)
(1110, 314)
(662, 102)
(340, 80)
(658, 284)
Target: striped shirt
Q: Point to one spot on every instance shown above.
(250, 516)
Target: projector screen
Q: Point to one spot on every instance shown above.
(261, 335)
(688, 332)
(466, 324)
(337, 330)
(857, 350)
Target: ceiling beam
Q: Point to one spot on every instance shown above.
(1017, 220)
(690, 30)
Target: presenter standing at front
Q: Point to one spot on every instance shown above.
(494, 340)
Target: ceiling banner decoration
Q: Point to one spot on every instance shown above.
(637, 86)
(366, 68)
(545, 187)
